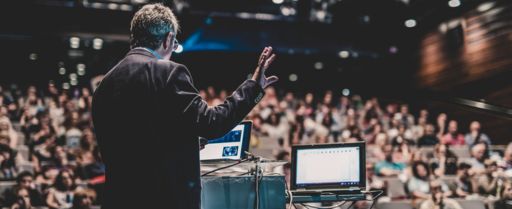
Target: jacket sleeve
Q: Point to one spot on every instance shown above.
(211, 122)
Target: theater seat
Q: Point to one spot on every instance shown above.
(406, 204)
(4, 185)
(395, 188)
(461, 151)
(471, 204)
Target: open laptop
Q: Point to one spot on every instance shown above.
(231, 146)
(328, 168)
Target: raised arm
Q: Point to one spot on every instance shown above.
(213, 122)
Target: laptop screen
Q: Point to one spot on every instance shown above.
(328, 166)
(231, 146)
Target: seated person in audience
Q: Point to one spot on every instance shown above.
(505, 197)
(22, 199)
(437, 199)
(444, 161)
(389, 166)
(7, 163)
(62, 158)
(453, 137)
(46, 178)
(418, 184)
(401, 138)
(4, 138)
(506, 162)
(479, 153)
(465, 181)
(6, 128)
(429, 138)
(488, 182)
(61, 194)
(373, 182)
(83, 199)
(475, 135)
(25, 180)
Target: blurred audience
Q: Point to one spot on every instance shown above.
(50, 131)
(437, 199)
(62, 193)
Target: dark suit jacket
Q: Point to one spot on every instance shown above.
(147, 116)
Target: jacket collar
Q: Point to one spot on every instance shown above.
(141, 51)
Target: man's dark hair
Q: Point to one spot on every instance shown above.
(150, 26)
(22, 175)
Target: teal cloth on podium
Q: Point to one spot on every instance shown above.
(222, 192)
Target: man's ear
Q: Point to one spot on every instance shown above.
(168, 40)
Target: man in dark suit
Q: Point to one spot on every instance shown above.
(148, 116)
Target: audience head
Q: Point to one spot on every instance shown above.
(480, 151)
(452, 127)
(65, 181)
(420, 170)
(474, 126)
(25, 179)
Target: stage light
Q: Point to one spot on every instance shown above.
(113, 6)
(485, 6)
(410, 23)
(319, 65)
(81, 71)
(62, 71)
(320, 15)
(278, 1)
(454, 3)
(179, 49)
(345, 92)
(32, 56)
(344, 54)
(287, 11)
(293, 77)
(97, 43)
(80, 67)
(74, 42)
(73, 82)
(140, 1)
(393, 49)
(126, 7)
(65, 85)
(366, 18)
(73, 76)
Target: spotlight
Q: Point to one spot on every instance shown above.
(485, 6)
(97, 43)
(278, 1)
(80, 67)
(73, 82)
(126, 7)
(319, 65)
(393, 49)
(65, 85)
(293, 77)
(454, 3)
(32, 56)
(62, 71)
(344, 54)
(345, 92)
(179, 49)
(287, 11)
(74, 42)
(410, 23)
(73, 76)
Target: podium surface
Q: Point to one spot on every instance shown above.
(238, 192)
